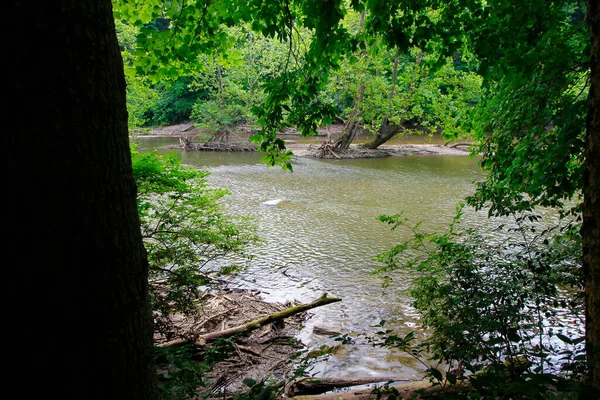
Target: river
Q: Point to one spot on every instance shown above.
(323, 234)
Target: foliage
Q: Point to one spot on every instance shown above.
(490, 306)
(487, 303)
(185, 233)
(233, 80)
(184, 373)
(532, 123)
(174, 102)
(141, 96)
(149, 103)
(437, 100)
(196, 28)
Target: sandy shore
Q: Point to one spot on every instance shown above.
(312, 150)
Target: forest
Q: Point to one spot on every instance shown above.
(109, 246)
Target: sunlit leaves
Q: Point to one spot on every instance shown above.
(187, 236)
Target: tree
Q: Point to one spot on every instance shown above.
(78, 285)
(590, 230)
(538, 61)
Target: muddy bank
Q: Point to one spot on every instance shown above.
(264, 353)
(193, 139)
(356, 151)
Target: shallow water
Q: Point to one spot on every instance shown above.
(321, 234)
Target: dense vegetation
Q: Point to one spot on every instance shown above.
(374, 89)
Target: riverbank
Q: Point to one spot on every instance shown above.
(267, 352)
(261, 354)
(195, 139)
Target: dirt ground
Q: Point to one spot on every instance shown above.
(239, 141)
(263, 354)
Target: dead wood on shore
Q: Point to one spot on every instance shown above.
(311, 386)
(203, 339)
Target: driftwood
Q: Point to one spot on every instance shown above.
(225, 147)
(326, 149)
(309, 386)
(201, 340)
(317, 330)
(400, 390)
(268, 319)
(405, 390)
(454, 145)
(186, 144)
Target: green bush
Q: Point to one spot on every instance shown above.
(186, 234)
(494, 309)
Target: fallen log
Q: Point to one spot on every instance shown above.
(454, 145)
(317, 330)
(200, 340)
(268, 319)
(311, 386)
(395, 390)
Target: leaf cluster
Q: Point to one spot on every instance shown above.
(495, 308)
(188, 238)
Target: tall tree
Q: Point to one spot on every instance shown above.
(79, 301)
(590, 231)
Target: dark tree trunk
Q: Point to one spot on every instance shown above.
(385, 133)
(351, 129)
(590, 231)
(76, 268)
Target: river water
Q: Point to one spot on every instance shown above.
(323, 233)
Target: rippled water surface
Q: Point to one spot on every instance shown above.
(323, 233)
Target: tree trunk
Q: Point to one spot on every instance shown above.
(350, 131)
(352, 127)
(78, 310)
(385, 133)
(590, 230)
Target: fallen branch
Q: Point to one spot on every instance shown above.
(260, 322)
(310, 386)
(453, 145)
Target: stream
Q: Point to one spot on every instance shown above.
(321, 232)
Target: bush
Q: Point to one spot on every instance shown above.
(496, 308)
(186, 234)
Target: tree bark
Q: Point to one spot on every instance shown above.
(385, 133)
(310, 386)
(590, 230)
(268, 319)
(78, 270)
(351, 129)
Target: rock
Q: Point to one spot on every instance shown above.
(273, 202)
